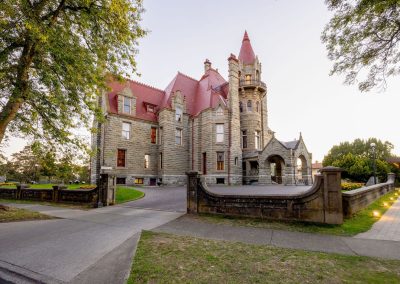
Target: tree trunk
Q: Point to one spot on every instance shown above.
(20, 91)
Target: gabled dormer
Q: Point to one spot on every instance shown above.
(126, 102)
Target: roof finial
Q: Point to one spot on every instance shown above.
(246, 36)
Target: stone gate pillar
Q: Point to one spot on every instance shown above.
(193, 180)
(107, 190)
(332, 195)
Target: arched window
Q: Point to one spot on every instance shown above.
(240, 106)
(257, 106)
(257, 75)
(249, 106)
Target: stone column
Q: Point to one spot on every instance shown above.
(193, 180)
(332, 195)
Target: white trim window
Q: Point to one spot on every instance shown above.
(178, 136)
(126, 130)
(127, 105)
(257, 139)
(178, 114)
(219, 129)
(146, 161)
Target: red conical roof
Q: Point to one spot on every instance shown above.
(246, 54)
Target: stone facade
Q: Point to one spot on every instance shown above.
(216, 127)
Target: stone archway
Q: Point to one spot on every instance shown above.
(276, 165)
(302, 176)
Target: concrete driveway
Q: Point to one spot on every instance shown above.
(94, 246)
(161, 198)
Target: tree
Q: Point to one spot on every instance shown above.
(355, 158)
(364, 35)
(54, 55)
(24, 166)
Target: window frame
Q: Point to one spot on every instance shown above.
(146, 161)
(178, 130)
(220, 163)
(257, 139)
(126, 133)
(219, 135)
(244, 139)
(125, 98)
(119, 165)
(178, 114)
(249, 106)
(153, 135)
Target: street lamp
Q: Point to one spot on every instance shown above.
(373, 145)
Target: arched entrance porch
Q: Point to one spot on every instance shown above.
(276, 166)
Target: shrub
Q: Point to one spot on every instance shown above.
(351, 185)
(88, 186)
(7, 184)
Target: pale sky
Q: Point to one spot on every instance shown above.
(285, 35)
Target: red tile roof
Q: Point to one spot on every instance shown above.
(143, 93)
(199, 95)
(246, 54)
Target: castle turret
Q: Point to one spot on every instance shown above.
(253, 99)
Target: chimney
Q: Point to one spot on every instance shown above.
(207, 65)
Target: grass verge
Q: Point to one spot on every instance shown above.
(125, 194)
(165, 258)
(66, 205)
(10, 214)
(359, 223)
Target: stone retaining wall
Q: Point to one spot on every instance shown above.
(56, 194)
(322, 203)
(357, 199)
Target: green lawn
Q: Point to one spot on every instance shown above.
(10, 214)
(125, 194)
(360, 222)
(165, 258)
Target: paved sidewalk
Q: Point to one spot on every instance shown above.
(388, 226)
(189, 226)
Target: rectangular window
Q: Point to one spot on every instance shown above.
(244, 138)
(126, 130)
(220, 161)
(150, 108)
(127, 105)
(153, 135)
(121, 158)
(161, 161)
(247, 79)
(219, 133)
(178, 114)
(178, 136)
(146, 161)
(160, 135)
(138, 180)
(258, 140)
(121, 180)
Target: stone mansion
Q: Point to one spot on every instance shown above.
(215, 126)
